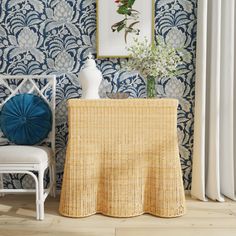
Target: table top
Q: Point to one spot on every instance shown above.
(162, 102)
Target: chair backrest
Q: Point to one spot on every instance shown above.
(40, 85)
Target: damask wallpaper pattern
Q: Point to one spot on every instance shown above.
(55, 36)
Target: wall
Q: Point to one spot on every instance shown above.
(55, 36)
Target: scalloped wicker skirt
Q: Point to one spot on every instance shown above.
(122, 159)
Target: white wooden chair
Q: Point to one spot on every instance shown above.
(30, 159)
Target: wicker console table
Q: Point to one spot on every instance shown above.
(122, 159)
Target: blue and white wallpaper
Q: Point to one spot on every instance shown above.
(55, 37)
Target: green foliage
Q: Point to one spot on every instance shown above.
(131, 16)
(127, 3)
(131, 3)
(124, 10)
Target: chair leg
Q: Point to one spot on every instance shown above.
(41, 195)
(37, 198)
(1, 185)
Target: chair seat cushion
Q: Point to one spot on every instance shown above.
(13, 154)
(26, 119)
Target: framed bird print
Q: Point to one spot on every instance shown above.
(119, 22)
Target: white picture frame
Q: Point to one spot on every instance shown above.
(114, 44)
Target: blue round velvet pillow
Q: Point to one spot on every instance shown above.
(26, 119)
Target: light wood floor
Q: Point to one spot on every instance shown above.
(202, 219)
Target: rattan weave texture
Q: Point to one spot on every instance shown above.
(122, 159)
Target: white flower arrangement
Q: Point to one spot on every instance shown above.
(151, 60)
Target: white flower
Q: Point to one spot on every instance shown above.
(176, 38)
(152, 60)
(27, 39)
(63, 12)
(64, 62)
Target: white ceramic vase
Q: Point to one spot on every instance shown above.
(90, 79)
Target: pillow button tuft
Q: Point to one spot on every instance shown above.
(23, 120)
